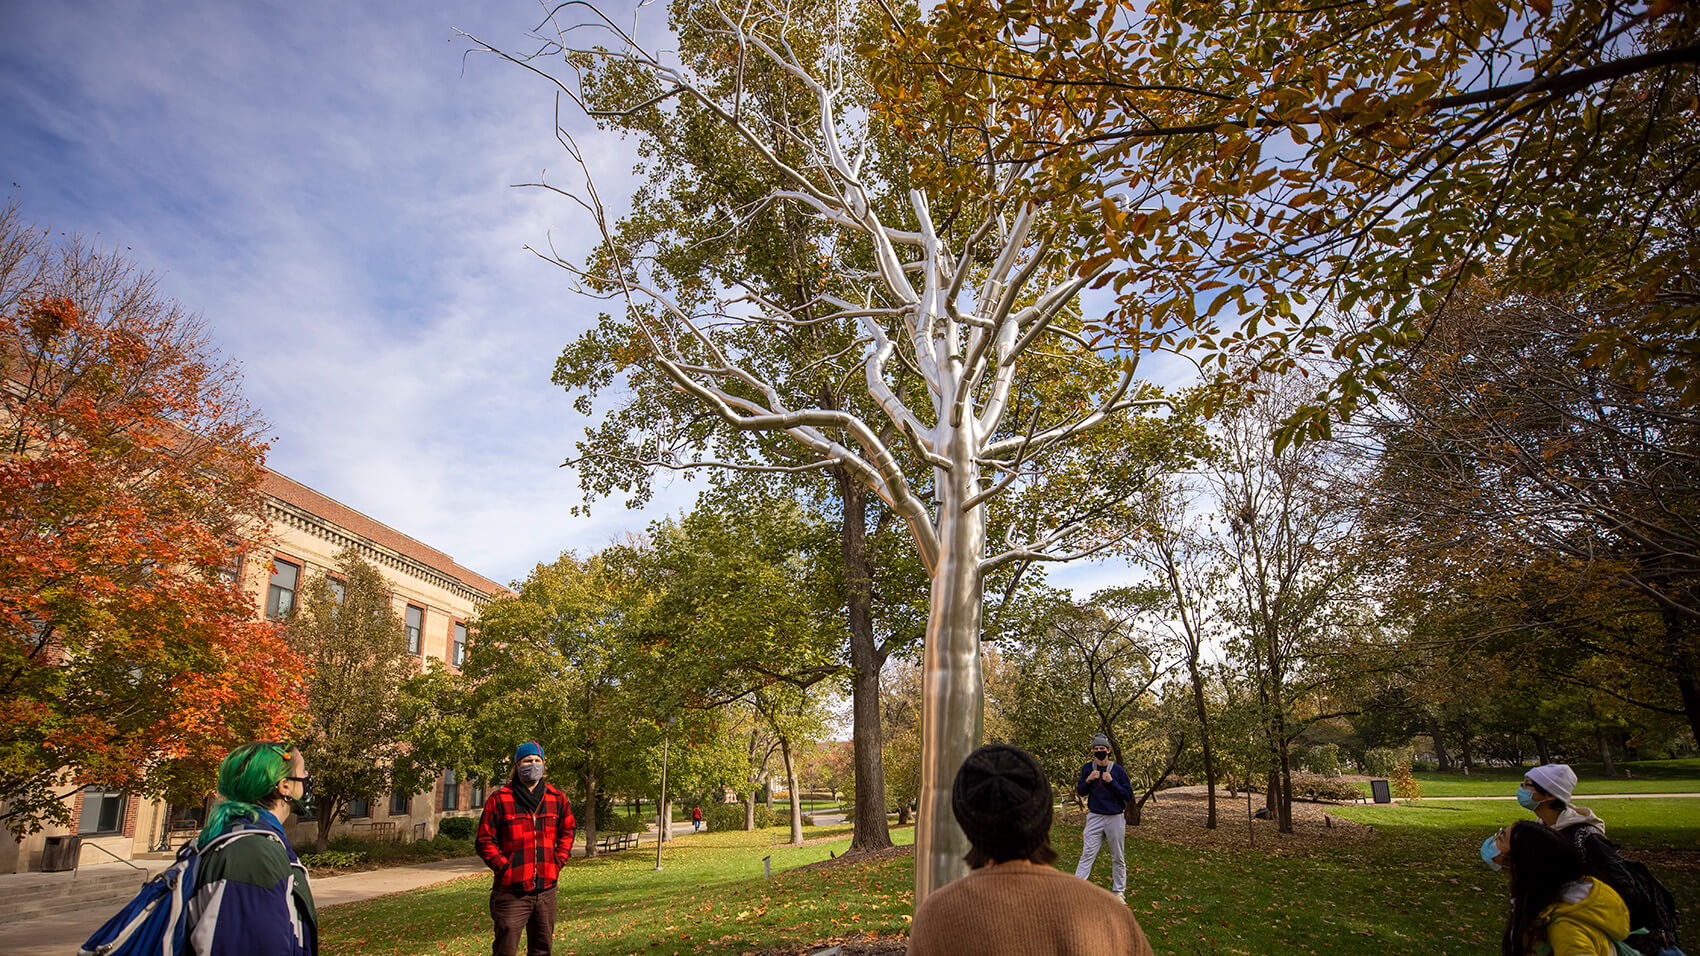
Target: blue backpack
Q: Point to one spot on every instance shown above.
(156, 922)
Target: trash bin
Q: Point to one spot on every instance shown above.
(60, 853)
(1378, 789)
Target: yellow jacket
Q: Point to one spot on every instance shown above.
(1584, 921)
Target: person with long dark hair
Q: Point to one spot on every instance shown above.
(1555, 906)
(252, 897)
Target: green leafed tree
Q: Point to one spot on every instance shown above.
(952, 326)
(559, 661)
(1252, 157)
(355, 645)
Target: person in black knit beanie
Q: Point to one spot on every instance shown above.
(1013, 902)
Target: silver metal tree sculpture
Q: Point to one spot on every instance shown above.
(957, 339)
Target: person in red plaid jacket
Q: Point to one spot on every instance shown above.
(525, 837)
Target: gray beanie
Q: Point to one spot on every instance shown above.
(1099, 740)
(1003, 801)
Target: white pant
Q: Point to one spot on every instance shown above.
(1105, 828)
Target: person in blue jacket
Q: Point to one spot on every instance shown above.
(1107, 789)
(252, 897)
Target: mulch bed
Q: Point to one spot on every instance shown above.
(1177, 816)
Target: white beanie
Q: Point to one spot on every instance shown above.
(1555, 778)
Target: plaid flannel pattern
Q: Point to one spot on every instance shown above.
(526, 850)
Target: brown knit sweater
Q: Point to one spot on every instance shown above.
(1025, 909)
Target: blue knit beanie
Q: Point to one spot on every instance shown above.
(527, 749)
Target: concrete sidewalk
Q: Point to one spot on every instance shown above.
(61, 935)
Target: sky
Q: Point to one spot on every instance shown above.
(331, 185)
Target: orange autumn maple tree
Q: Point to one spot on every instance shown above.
(129, 480)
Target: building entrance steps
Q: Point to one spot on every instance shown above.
(102, 887)
(62, 930)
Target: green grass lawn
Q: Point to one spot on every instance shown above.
(1649, 776)
(1418, 887)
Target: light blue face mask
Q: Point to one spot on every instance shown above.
(1490, 849)
(1526, 798)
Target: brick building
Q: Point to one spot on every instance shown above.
(435, 597)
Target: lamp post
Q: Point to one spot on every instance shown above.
(661, 806)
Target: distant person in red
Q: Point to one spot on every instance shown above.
(696, 819)
(525, 837)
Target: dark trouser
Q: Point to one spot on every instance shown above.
(530, 910)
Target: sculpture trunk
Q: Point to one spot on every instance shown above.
(951, 698)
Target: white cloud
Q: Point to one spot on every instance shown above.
(330, 184)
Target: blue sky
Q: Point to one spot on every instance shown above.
(329, 184)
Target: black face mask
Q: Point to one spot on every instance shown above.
(1100, 755)
(303, 804)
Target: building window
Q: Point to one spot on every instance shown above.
(231, 572)
(451, 791)
(399, 803)
(459, 653)
(477, 794)
(280, 597)
(415, 625)
(103, 811)
(358, 808)
(339, 590)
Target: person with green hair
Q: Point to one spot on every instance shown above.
(252, 897)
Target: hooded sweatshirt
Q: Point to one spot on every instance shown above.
(1578, 817)
(1587, 917)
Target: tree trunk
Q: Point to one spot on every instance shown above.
(585, 819)
(952, 698)
(1286, 818)
(322, 827)
(1465, 754)
(750, 810)
(1605, 753)
(1543, 747)
(1690, 690)
(1685, 667)
(666, 821)
(1204, 741)
(867, 736)
(1443, 760)
(796, 801)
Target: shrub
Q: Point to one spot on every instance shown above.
(332, 858)
(457, 828)
(808, 819)
(1405, 785)
(613, 822)
(447, 843)
(1316, 787)
(730, 816)
(1382, 761)
(724, 816)
(1323, 759)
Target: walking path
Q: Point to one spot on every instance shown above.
(61, 935)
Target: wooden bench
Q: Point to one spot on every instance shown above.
(378, 829)
(616, 841)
